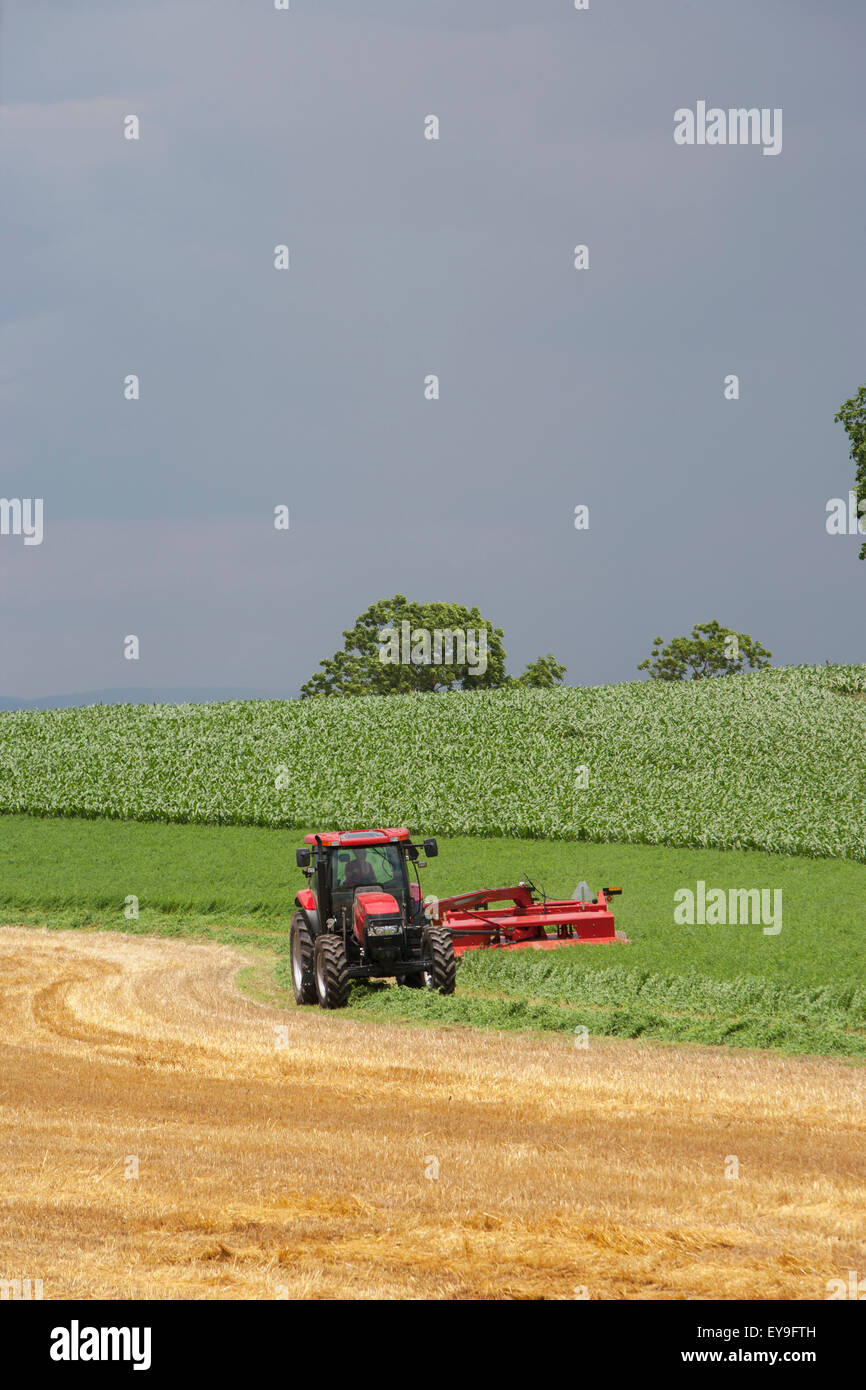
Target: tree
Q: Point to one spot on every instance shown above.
(393, 648)
(543, 673)
(710, 651)
(852, 416)
(398, 646)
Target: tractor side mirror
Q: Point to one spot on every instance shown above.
(412, 852)
(302, 858)
(431, 849)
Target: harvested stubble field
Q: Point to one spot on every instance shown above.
(299, 1170)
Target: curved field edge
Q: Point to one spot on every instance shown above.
(800, 991)
(827, 1023)
(774, 761)
(682, 1010)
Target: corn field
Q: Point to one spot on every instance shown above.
(775, 760)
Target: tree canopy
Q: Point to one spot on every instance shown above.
(543, 673)
(398, 646)
(711, 650)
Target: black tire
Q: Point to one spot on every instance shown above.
(438, 949)
(331, 971)
(301, 957)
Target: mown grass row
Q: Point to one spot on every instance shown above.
(512, 993)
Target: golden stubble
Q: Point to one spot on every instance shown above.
(292, 1153)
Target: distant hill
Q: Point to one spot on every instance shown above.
(138, 695)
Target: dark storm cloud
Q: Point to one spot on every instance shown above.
(412, 257)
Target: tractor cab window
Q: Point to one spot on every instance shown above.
(368, 866)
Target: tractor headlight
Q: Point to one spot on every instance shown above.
(382, 929)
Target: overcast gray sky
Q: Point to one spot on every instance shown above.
(409, 256)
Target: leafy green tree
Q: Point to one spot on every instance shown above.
(711, 650)
(394, 648)
(543, 673)
(852, 416)
(375, 651)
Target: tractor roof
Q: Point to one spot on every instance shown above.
(333, 838)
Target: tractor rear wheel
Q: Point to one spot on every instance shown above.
(331, 971)
(301, 955)
(438, 948)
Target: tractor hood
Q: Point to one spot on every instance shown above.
(372, 903)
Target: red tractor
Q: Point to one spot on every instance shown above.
(362, 916)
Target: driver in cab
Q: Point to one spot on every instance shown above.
(359, 871)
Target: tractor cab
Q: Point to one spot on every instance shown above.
(364, 870)
(362, 915)
(341, 865)
(368, 887)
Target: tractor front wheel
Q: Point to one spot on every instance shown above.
(438, 949)
(301, 954)
(331, 970)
